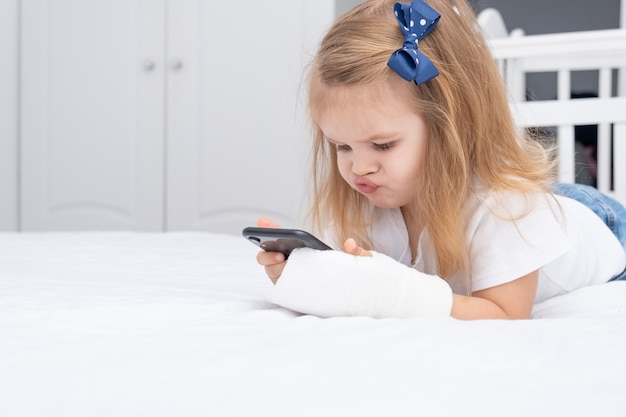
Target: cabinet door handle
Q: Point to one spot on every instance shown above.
(148, 65)
(176, 64)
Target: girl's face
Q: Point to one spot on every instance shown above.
(380, 140)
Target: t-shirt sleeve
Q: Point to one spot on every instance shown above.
(513, 238)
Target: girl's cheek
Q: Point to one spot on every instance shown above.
(345, 174)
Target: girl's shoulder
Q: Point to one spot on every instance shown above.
(510, 205)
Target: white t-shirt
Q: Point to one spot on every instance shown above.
(567, 242)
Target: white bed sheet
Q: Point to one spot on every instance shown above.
(176, 324)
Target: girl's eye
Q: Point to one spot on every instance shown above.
(383, 146)
(342, 148)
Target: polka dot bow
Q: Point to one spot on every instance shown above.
(416, 21)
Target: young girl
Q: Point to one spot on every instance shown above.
(421, 175)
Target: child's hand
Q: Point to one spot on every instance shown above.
(350, 246)
(274, 262)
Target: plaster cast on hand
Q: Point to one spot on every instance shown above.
(333, 283)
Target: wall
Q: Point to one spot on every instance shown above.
(8, 114)
(342, 6)
(554, 16)
(542, 16)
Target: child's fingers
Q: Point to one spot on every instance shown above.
(270, 258)
(350, 246)
(265, 222)
(274, 263)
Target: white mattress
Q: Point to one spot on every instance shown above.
(138, 324)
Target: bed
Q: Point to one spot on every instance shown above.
(164, 324)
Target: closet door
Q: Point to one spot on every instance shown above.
(236, 131)
(92, 114)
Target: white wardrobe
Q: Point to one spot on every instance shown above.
(154, 115)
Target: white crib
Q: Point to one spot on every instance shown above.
(603, 51)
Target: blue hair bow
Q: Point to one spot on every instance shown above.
(416, 21)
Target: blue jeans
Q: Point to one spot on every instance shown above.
(612, 213)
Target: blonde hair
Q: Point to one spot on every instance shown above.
(465, 108)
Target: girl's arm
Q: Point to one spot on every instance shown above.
(513, 300)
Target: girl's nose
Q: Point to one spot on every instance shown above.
(363, 166)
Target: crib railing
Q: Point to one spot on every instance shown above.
(601, 51)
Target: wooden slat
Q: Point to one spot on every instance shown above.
(567, 150)
(604, 43)
(584, 111)
(619, 158)
(604, 135)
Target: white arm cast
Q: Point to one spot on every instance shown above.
(333, 283)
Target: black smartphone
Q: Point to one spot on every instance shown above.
(282, 240)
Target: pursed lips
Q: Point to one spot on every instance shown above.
(364, 185)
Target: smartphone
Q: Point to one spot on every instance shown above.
(282, 240)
